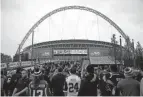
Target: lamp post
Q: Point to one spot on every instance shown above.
(121, 50)
(19, 56)
(114, 46)
(32, 48)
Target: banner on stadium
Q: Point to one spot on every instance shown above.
(42, 53)
(95, 52)
(70, 52)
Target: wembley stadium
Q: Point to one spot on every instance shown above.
(98, 52)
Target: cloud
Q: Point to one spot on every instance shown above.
(131, 8)
(18, 16)
(12, 5)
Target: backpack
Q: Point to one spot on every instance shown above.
(111, 85)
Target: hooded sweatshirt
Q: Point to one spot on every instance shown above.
(88, 87)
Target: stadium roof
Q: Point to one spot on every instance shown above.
(70, 41)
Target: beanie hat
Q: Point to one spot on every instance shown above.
(37, 72)
(128, 72)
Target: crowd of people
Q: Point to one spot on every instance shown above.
(64, 79)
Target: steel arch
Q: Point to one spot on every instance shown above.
(68, 8)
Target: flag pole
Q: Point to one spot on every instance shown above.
(114, 48)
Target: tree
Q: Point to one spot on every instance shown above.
(139, 49)
(139, 55)
(115, 51)
(128, 52)
(16, 58)
(24, 57)
(5, 58)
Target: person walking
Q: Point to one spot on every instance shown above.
(112, 78)
(38, 86)
(7, 85)
(57, 82)
(22, 85)
(72, 84)
(14, 80)
(89, 84)
(129, 86)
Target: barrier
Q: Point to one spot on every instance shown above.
(3, 65)
(26, 63)
(13, 64)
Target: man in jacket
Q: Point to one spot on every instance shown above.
(129, 86)
(57, 83)
(22, 85)
(89, 84)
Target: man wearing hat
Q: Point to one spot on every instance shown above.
(38, 86)
(129, 86)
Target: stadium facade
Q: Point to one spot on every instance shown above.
(98, 52)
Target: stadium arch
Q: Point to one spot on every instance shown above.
(69, 8)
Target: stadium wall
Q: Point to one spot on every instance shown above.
(69, 49)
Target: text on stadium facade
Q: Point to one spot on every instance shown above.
(70, 52)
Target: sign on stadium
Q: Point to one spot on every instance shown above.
(42, 53)
(71, 52)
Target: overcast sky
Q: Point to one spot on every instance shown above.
(18, 16)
